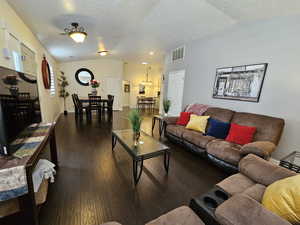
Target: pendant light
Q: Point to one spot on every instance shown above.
(147, 81)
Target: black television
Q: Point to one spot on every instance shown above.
(19, 106)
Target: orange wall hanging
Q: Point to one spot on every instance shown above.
(46, 73)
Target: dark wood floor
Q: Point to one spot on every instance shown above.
(94, 185)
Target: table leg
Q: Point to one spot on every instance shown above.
(27, 202)
(53, 148)
(161, 127)
(137, 170)
(167, 156)
(153, 123)
(113, 141)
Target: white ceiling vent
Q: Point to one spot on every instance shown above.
(178, 54)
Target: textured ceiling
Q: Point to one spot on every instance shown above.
(130, 29)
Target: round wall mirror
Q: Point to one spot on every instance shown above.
(84, 76)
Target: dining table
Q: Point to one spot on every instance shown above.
(85, 99)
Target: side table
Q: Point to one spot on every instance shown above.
(291, 161)
(160, 123)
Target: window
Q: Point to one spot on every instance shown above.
(14, 47)
(17, 61)
(52, 81)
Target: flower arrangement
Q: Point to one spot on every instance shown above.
(95, 83)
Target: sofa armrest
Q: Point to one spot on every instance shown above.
(170, 120)
(243, 210)
(262, 149)
(262, 171)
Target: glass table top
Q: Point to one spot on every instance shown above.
(147, 145)
(293, 158)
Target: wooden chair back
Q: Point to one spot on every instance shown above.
(94, 101)
(24, 95)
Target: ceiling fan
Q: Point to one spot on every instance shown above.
(76, 32)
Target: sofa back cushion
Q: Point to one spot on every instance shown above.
(267, 128)
(262, 171)
(224, 115)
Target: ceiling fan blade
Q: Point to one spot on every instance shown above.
(63, 33)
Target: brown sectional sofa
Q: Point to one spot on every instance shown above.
(247, 188)
(225, 154)
(182, 215)
(243, 206)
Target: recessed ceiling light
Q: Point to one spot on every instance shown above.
(151, 53)
(144, 63)
(103, 53)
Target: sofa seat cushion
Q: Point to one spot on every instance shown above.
(176, 130)
(179, 216)
(236, 184)
(256, 192)
(242, 210)
(226, 151)
(196, 138)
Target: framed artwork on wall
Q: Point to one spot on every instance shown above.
(142, 89)
(126, 88)
(242, 83)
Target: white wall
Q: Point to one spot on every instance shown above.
(275, 42)
(100, 68)
(50, 105)
(126, 95)
(135, 73)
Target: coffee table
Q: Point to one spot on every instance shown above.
(147, 148)
(291, 161)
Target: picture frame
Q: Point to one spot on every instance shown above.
(243, 83)
(127, 88)
(142, 89)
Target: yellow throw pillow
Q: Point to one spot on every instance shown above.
(197, 123)
(283, 198)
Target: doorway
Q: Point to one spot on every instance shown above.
(175, 91)
(113, 86)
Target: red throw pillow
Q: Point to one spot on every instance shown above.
(240, 134)
(184, 118)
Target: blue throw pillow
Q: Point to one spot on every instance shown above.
(218, 129)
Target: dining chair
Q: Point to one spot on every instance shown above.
(110, 103)
(95, 103)
(80, 107)
(75, 103)
(141, 100)
(24, 95)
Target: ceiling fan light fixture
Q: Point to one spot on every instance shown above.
(78, 36)
(103, 53)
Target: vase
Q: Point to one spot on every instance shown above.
(94, 91)
(166, 114)
(136, 137)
